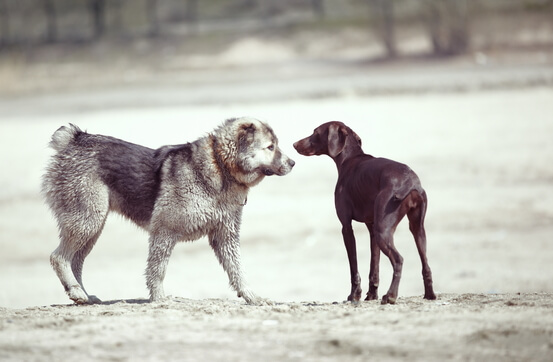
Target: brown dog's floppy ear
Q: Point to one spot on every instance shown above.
(357, 138)
(336, 140)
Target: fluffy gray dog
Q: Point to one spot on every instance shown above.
(176, 193)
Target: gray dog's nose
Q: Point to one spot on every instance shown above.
(291, 162)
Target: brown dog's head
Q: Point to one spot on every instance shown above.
(331, 139)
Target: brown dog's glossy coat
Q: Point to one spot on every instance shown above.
(375, 191)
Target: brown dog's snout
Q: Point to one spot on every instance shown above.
(298, 145)
(303, 147)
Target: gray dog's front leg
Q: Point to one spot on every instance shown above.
(226, 246)
(161, 247)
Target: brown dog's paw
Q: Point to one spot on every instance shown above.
(386, 299)
(430, 296)
(354, 297)
(371, 296)
(355, 294)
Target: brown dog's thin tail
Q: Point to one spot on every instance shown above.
(64, 136)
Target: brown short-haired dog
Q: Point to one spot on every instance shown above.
(378, 192)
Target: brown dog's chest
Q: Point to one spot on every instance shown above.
(352, 201)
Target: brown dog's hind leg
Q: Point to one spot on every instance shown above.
(388, 248)
(387, 215)
(416, 225)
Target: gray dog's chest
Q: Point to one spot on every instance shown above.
(193, 218)
(192, 207)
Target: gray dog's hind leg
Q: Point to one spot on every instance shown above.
(78, 261)
(81, 216)
(68, 258)
(60, 260)
(161, 247)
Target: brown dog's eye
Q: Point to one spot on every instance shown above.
(271, 148)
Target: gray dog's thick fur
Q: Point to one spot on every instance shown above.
(176, 193)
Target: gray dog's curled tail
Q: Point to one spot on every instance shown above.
(63, 136)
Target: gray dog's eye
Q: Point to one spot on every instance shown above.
(271, 148)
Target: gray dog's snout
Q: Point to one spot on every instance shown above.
(291, 162)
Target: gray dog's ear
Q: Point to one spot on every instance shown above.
(247, 127)
(336, 140)
(245, 135)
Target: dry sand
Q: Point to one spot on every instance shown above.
(485, 159)
(456, 327)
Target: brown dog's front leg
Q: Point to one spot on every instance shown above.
(349, 241)
(374, 277)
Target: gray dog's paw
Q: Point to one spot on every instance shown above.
(261, 302)
(77, 295)
(253, 299)
(161, 299)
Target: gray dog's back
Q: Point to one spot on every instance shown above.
(129, 172)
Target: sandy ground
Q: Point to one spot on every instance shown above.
(457, 327)
(484, 157)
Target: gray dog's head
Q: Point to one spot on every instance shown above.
(256, 151)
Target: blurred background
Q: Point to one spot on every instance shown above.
(461, 90)
(64, 44)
